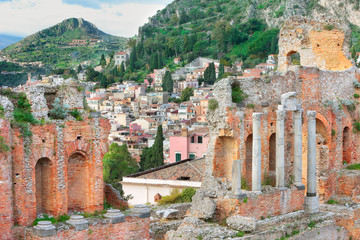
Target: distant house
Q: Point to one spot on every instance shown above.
(177, 60)
(120, 57)
(238, 67)
(95, 102)
(253, 72)
(189, 144)
(144, 186)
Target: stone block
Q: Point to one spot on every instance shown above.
(241, 223)
(202, 206)
(115, 215)
(95, 114)
(78, 222)
(44, 229)
(167, 213)
(140, 211)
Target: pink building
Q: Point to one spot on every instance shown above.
(189, 145)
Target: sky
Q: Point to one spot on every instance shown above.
(116, 17)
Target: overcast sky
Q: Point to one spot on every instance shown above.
(116, 17)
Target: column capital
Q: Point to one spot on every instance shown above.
(311, 115)
(257, 116)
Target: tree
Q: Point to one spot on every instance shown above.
(221, 34)
(210, 74)
(103, 61)
(168, 83)
(160, 61)
(122, 68)
(118, 163)
(79, 68)
(133, 59)
(221, 70)
(186, 94)
(154, 61)
(154, 156)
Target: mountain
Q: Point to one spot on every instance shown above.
(65, 45)
(7, 40)
(232, 30)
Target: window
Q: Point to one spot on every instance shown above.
(178, 157)
(200, 139)
(192, 155)
(192, 139)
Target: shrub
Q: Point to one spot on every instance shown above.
(76, 114)
(356, 95)
(238, 95)
(213, 104)
(356, 126)
(329, 27)
(187, 194)
(311, 224)
(240, 234)
(59, 112)
(333, 132)
(172, 198)
(354, 167)
(177, 197)
(63, 218)
(250, 105)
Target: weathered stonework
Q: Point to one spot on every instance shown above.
(323, 43)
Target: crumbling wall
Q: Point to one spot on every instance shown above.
(323, 43)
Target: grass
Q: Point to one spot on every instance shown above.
(61, 218)
(332, 201)
(312, 224)
(240, 234)
(354, 167)
(213, 104)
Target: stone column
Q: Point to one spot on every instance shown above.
(256, 153)
(297, 116)
(236, 180)
(311, 200)
(280, 148)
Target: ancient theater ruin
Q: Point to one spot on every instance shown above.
(55, 168)
(271, 169)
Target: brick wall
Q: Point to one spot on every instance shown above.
(113, 197)
(270, 203)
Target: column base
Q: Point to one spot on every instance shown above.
(311, 205)
(239, 196)
(299, 186)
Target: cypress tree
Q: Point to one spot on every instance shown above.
(154, 156)
(154, 61)
(221, 70)
(168, 83)
(122, 68)
(212, 76)
(102, 61)
(133, 60)
(79, 68)
(160, 61)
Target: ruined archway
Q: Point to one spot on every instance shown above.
(293, 58)
(44, 186)
(346, 157)
(272, 159)
(248, 160)
(226, 151)
(78, 177)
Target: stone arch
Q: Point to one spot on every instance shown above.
(293, 58)
(248, 159)
(272, 159)
(321, 132)
(44, 186)
(346, 156)
(226, 151)
(77, 182)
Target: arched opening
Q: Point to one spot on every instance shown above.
(226, 151)
(321, 133)
(293, 58)
(322, 154)
(272, 159)
(248, 160)
(77, 176)
(44, 191)
(346, 145)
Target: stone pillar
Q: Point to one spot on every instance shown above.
(311, 200)
(297, 116)
(256, 153)
(280, 148)
(236, 180)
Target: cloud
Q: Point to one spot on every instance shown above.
(96, 4)
(120, 18)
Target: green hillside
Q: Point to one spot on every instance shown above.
(56, 47)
